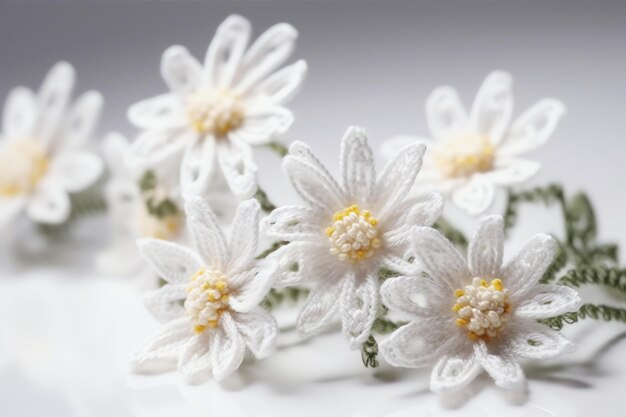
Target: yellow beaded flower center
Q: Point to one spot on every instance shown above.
(165, 228)
(216, 111)
(464, 155)
(353, 235)
(207, 299)
(482, 308)
(22, 165)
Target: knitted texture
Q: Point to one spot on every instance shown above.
(347, 233)
(474, 315)
(211, 298)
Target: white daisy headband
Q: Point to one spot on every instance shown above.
(369, 250)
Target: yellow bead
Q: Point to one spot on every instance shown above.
(459, 293)
(497, 284)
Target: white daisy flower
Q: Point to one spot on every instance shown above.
(42, 156)
(466, 317)
(211, 300)
(347, 233)
(472, 154)
(213, 114)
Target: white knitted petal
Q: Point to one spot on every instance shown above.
(50, 204)
(160, 112)
(251, 287)
(445, 113)
(391, 147)
(504, 368)
(266, 54)
(398, 264)
(454, 372)
(487, 247)
(53, 98)
(417, 296)
(160, 353)
(292, 223)
(206, 233)
(227, 348)
(181, 71)
(171, 261)
(493, 107)
(439, 257)
(533, 128)
(259, 330)
(282, 85)
(164, 303)
(244, 235)
(545, 301)
(419, 343)
(81, 121)
(153, 146)
(237, 164)
(530, 339)
(313, 183)
(195, 359)
(422, 210)
(76, 171)
(226, 50)
(398, 177)
(198, 166)
(10, 208)
(523, 272)
(19, 117)
(476, 196)
(512, 171)
(263, 124)
(321, 306)
(359, 306)
(357, 165)
(302, 261)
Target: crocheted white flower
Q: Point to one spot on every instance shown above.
(41, 148)
(213, 114)
(472, 154)
(347, 233)
(210, 302)
(476, 315)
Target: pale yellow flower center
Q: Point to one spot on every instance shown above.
(216, 111)
(207, 299)
(482, 308)
(464, 155)
(353, 235)
(165, 229)
(22, 165)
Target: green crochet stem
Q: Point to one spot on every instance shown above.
(592, 311)
(614, 278)
(291, 295)
(266, 204)
(369, 352)
(279, 148)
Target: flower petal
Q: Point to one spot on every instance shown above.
(171, 261)
(266, 54)
(282, 85)
(419, 343)
(512, 171)
(545, 301)
(82, 120)
(493, 106)
(320, 307)
(504, 369)
(392, 146)
(250, 287)
(160, 112)
(292, 223)
(19, 118)
(164, 303)
(115, 146)
(196, 358)
(181, 71)
(197, 169)
(226, 50)
(476, 196)
(259, 330)
(244, 236)
(50, 204)
(533, 128)
(161, 352)
(235, 159)
(445, 113)
(523, 272)
(421, 210)
(359, 306)
(227, 348)
(420, 296)
(206, 233)
(357, 165)
(299, 261)
(54, 96)
(454, 372)
(10, 208)
(76, 171)
(439, 257)
(487, 247)
(263, 124)
(152, 147)
(532, 340)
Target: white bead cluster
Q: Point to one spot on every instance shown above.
(207, 298)
(215, 111)
(482, 308)
(353, 235)
(464, 155)
(22, 164)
